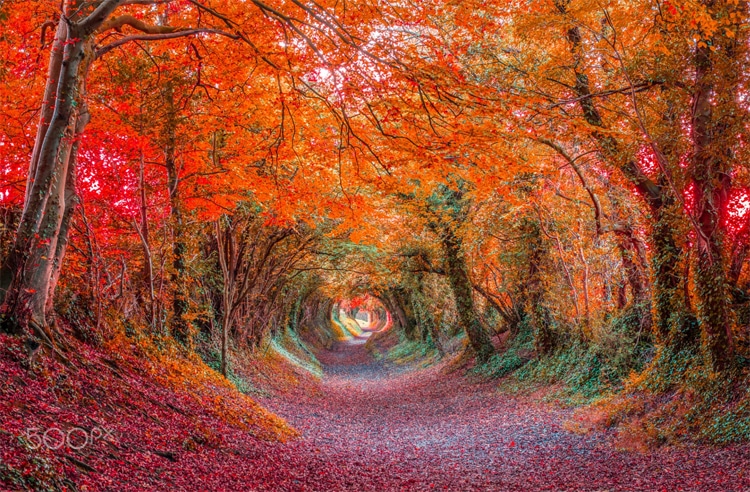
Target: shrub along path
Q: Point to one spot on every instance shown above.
(371, 428)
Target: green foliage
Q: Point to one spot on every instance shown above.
(409, 351)
(728, 426)
(212, 358)
(682, 401)
(578, 369)
(668, 370)
(512, 359)
(242, 385)
(393, 346)
(290, 347)
(585, 371)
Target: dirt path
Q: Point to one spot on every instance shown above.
(372, 429)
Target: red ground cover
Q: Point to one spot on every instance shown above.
(367, 427)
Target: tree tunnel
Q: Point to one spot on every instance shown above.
(324, 320)
(359, 317)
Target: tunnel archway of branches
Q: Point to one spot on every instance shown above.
(355, 311)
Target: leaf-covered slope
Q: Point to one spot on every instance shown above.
(139, 419)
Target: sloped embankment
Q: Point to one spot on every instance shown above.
(123, 416)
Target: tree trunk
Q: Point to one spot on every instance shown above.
(393, 302)
(29, 274)
(711, 175)
(404, 301)
(541, 322)
(669, 304)
(739, 255)
(70, 201)
(462, 292)
(230, 254)
(429, 328)
(180, 327)
(634, 262)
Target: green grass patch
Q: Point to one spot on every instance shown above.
(394, 347)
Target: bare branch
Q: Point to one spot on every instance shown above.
(597, 205)
(90, 24)
(160, 37)
(118, 22)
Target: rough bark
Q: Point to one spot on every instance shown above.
(429, 328)
(712, 120)
(627, 245)
(29, 274)
(461, 286)
(539, 315)
(180, 327)
(401, 307)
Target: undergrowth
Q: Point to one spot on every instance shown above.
(156, 400)
(675, 399)
(513, 358)
(393, 346)
(582, 372)
(618, 379)
(410, 351)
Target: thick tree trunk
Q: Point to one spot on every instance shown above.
(429, 328)
(711, 173)
(671, 326)
(539, 315)
(461, 286)
(49, 101)
(633, 262)
(29, 274)
(30, 271)
(180, 327)
(70, 200)
(404, 301)
(394, 302)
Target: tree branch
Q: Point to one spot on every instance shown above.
(597, 205)
(90, 24)
(159, 37)
(118, 22)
